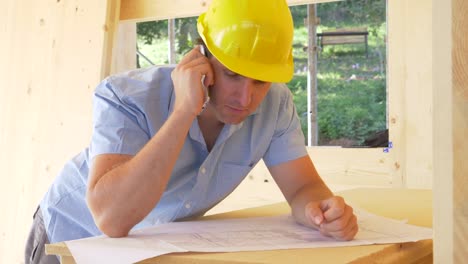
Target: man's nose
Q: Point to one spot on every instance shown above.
(245, 92)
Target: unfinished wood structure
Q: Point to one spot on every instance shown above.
(54, 53)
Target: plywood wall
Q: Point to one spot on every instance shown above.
(52, 53)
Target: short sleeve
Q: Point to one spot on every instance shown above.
(288, 141)
(119, 123)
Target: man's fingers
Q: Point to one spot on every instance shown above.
(333, 217)
(343, 228)
(333, 208)
(191, 55)
(340, 224)
(314, 214)
(347, 234)
(202, 66)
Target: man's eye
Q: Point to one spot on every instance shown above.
(231, 74)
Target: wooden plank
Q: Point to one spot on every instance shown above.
(353, 166)
(410, 97)
(334, 37)
(337, 40)
(396, 87)
(418, 95)
(443, 133)
(124, 52)
(451, 146)
(111, 43)
(400, 253)
(346, 166)
(460, 130)
(145, 10)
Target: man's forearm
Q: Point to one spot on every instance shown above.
(123, 196)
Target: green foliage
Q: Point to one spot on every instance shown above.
(299, 14)
(148, 31)
(352, 109)
(298, 87)
(352, 13)
(185, 32)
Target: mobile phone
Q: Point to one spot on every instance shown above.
(205, 89)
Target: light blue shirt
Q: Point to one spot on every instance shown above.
(128, 110)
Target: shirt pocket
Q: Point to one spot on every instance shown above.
(229, 176)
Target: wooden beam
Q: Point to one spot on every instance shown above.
(460, 129)
(443, 154)
(146, 10)
(124, 50)
(346, 166)
(450, 74)
(110, 34)
(410, 93)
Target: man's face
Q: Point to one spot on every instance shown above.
(233, 97)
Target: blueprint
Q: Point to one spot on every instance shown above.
(230, 235)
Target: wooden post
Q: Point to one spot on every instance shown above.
(124, 52)
(110, 36)
(171, 40)
(312, 76)
(460, 129)
(450, 114)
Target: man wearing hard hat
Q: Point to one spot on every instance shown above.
(172, 142)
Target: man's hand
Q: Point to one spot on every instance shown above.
(332, 217)
(312, 202)
(187, 77)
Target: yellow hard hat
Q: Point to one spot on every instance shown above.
(250, 37)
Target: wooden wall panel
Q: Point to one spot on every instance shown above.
(350, 166)
(51, 61)
(345, 166)
(410, 93)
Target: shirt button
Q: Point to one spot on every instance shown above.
(203, 170)
(187, 205)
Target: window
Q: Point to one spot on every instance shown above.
(348, 75)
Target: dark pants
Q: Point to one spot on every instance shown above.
(35, 245)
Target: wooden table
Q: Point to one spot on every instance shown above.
(414, 205)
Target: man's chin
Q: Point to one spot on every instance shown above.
(233, 120)
(227, 117)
